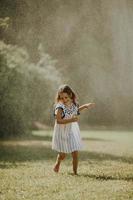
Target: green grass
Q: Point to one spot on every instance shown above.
(105, 168)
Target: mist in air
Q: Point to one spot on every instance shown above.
(87, 44)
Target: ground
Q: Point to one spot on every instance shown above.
(105, 168)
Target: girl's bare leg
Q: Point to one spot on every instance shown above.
(75, 161)
(60, 157)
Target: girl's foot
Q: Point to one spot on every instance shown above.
(56, 168)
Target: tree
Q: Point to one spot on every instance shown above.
(26, 89)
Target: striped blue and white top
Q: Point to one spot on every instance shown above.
(66, 137)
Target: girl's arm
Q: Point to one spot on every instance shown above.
(86, 106)
(59, 119)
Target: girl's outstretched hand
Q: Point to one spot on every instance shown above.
(90, 105)
(86, 106)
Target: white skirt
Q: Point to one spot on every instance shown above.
(66, 138)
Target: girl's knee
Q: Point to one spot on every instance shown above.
(62, 156)
(75, 154)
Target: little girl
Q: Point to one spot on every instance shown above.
(66, 136)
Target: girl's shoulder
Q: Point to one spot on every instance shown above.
(57, 106)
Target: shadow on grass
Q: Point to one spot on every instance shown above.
(38, 147)
(106, 177)
(95, 139)
(28, 138)
(46, 138)
(19, 153)
(11, 155)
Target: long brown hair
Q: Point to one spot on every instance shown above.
(66, 89)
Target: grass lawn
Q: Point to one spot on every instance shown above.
(105, 168)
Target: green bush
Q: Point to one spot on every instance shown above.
(26, 89)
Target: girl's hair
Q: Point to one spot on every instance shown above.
(69, 91)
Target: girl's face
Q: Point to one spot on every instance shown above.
(65, 98)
